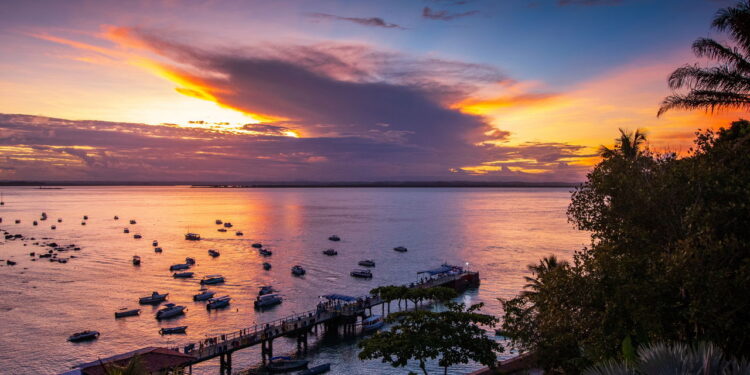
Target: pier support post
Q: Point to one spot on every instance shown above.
(263, 351)
(228, 363)
(222, 364)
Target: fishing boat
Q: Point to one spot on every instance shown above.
(212, 279)
(222, 230)
(265, 290)
(170, 310)
(83, 336)
(213, 253)
(367, 263)
(320, 369)
(182, 275)
(158, 250)
(286, 364)
(361, 273)
(136, 260)
(400, 249)
(257, 245)
(126, 230)
(218, 221)
(155, 243)
(192, 236)
(172, 330)
(217, 303)
(266, 266)
(334, 238)
(330, 252)
(123, 312)
(372, 323)
(297, 270)
(239, 233)
(267, 300)
(189, 261)
(265, 252)
(155, 297)
(227, 225)
(137, 236)
(132, 221)
(204, 295)
(177, 267)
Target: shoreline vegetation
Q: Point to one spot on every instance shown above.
(304, 184)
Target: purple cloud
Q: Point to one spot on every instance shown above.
(364, 21)
(444, 15)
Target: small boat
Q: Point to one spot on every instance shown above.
(363, 274)
(239, 233)
(34, 223)
(257, 245)
(213, 253)
(83, 336)
(330, 252)
(155, 297)
(320, 369)
(372, 323)
(400, 249)
(297, 270)
(172, 330)
(137, 236)
(286, 364)
(267, 300)
(177, 267)
(192, 236)
(53, 227)
(123, 312)
(183, 275)
(136, 260)
(126, 230)
(227, 225)
(265, 252)
(367, 263)
(158, 250)
(85, 217)
(83, 223)
(170, 310)
(266, 266)
(212, 279)
(218, 222)
(222, 230)
(59, 220)
(204, 296)
(189, 261)
(117, 218)
(18, 221)
(217, 303)
(265, 290)
(155, 243)
(334, 238)
(132, 221)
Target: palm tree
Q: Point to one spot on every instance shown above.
(726, 85)
(546, 265)
(134, 367)
(627, 146)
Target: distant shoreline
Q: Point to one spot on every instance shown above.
(317, 185)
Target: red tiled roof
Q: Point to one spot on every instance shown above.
(154, 360)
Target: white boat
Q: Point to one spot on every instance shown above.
(177, 267)
(267, 300)
(183, 275)
(297, 270)
(192, 236)
(123, 312)
(155, 297)
(217, 303)
(367, 263)
(361, 273)
(372, 323)
(330, 252)
(213, 253)
(83, 336)
(400, 249)
(170, 310)
(204, 296)
(212, 279)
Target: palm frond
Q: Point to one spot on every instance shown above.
(720, 78)
(708, 100)
(736, 21)
(709, 48)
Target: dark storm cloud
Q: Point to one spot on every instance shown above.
(364, 21)
(444, 15)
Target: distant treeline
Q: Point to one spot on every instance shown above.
(304, 184)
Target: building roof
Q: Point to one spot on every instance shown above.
(154, 360)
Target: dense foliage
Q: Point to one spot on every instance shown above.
(669, 258)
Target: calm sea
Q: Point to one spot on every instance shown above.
(497, 231)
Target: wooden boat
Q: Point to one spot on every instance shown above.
(267, 300)
(217, 303)
(83, 336)
(400, 249)
(297, 270)
(213, 253)
(330, 252)
(155, 297)
(212, 279)
(192, 236)
(170, 310)
(286, 364)
(266, 266)
(123, 312)
(361, 273)
(177, 267)
(320, 369)
(367, 263)
(204, 296)
(372, 323)
(183, 275)
(136, 260)
(257, 245)
(334, 238)
(172, 330)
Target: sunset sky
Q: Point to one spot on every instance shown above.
(282, 90)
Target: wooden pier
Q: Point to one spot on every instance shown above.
(331, 315)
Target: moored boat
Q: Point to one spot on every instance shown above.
(117, 218)
(157, 249)
(132, 222)
(204, 295)
(265, 290)
(367, 263)
(213, 253)
(189, 261)
(172, 330)
(286, 364)
(239, 233)
(136, 260)
(330, 252)
(217, 303)
(227, 225)
(297, 270)
(123, 312)
(265, 252)
(222, 229)
(334, 238)
(155, 243)
(266, 266)
(320, 369)
(218, 221)
(183, 275)
(212, 279)
(267, 300)
(83, 336)
(257, 245)
(155, 297)
(361, 273)
(126, 230)
(192, 236)
(400, 249)
(170, 310)
(372, 323)
(177, 267)
(137, 236)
